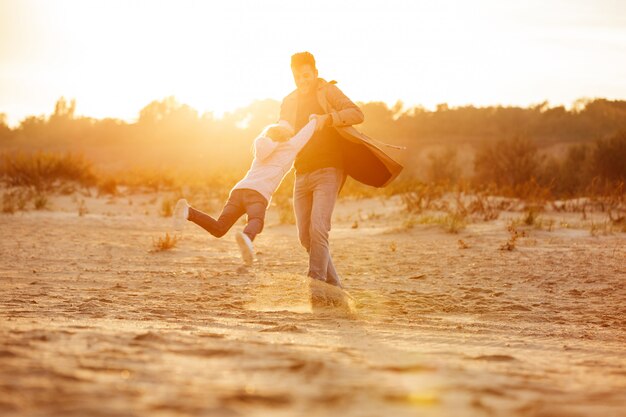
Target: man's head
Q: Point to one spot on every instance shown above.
(304, 71)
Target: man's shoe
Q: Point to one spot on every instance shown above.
(181, 213)
(246, 248)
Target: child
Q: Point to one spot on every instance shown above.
(274, 152)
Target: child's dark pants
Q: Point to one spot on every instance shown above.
(241, 201)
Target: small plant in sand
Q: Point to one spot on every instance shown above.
(477, 206)
(600, 228)
(514, 234)
(8, 203)
(41, 201)
(23, 197)
(421, 197)
(82, 208)
(163, 243)
(542, 224)
(531, 217)
(16, 199)
(408, 223)
(453, 223)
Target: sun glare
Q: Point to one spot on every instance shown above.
(115, 57)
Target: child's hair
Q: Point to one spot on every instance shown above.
(277, 132)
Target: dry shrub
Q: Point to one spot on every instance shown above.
(607, 196)
(530, 218)
(16, 199)
(164, 243)
(478, 205)
(444, 167)
(8, 203)
(609, 158)
(514, 234)
(600, 228)
(450, 222)
(107, 187)
(532, 192)
(586, 165)
(453, 223)
(570, 176)
(507, 163)
(422, 197)
(41, 201)
(44, 171)
(82, 208)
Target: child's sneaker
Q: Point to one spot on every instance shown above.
(181, 213)
(246, 248)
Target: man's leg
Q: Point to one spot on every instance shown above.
(232, 211)
(332, 277)
(302, 200)
(256, 206)
(326, 182)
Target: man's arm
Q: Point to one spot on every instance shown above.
(343, 111)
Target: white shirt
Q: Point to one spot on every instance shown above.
(273, 160)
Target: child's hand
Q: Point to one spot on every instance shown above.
(323, 120)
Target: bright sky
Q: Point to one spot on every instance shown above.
(116, 56)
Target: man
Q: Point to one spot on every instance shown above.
(335, 150)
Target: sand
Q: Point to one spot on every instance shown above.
(93, 322)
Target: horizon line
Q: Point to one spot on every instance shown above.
(13, 123)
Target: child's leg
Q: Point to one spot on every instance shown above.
(255, 206)
(231, 212)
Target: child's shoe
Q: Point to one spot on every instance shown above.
(246, 248)
(181, 213)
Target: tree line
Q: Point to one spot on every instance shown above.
(504, 145)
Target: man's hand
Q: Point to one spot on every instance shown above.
(323, 120)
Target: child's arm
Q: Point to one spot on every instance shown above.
(301, 138)
(263, 147)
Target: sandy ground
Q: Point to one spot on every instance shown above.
(92, 322)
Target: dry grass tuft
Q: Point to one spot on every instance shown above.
(82, 208)
(164, 243)
(41, 201)
(515, 234)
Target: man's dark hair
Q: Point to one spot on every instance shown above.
(302, 58)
